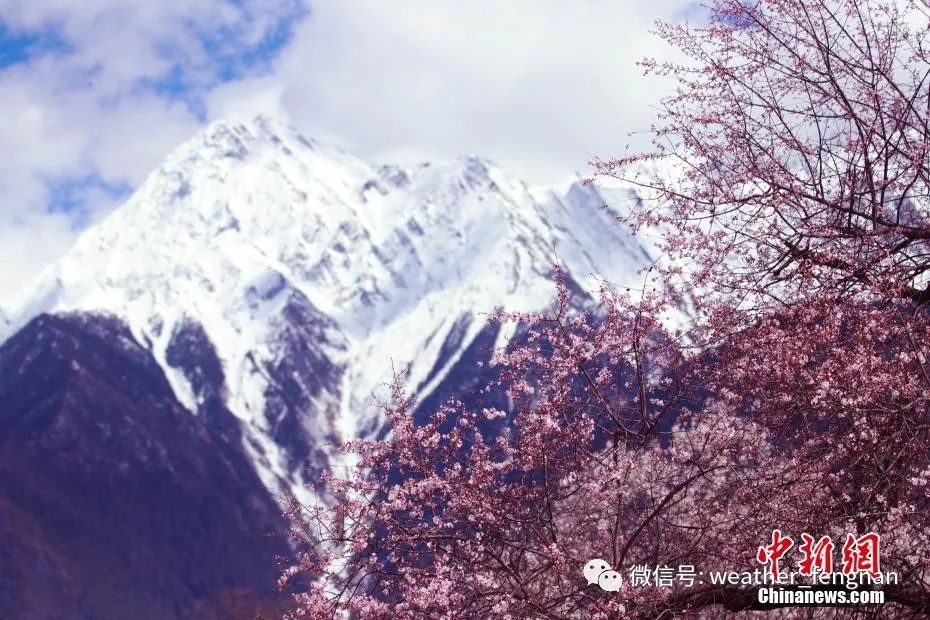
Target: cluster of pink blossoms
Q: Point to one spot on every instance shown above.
(790, 179)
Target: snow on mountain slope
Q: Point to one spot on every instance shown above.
(314, 274)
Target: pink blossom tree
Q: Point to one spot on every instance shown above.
(789, 173)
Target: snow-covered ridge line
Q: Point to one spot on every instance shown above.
(313, 273)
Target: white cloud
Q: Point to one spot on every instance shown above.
(27, 245)
(53, 135)
(538, 85)
(248, 98)
(541, 86)
(98, 106)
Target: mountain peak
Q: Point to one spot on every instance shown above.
(249, 129)
(309, 274)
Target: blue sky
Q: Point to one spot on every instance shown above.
(97, 93)
(228, 57)
(17, 46)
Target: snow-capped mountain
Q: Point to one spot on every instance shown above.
(314, 275)
(211, 342)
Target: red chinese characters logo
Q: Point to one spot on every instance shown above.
(860, 555)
